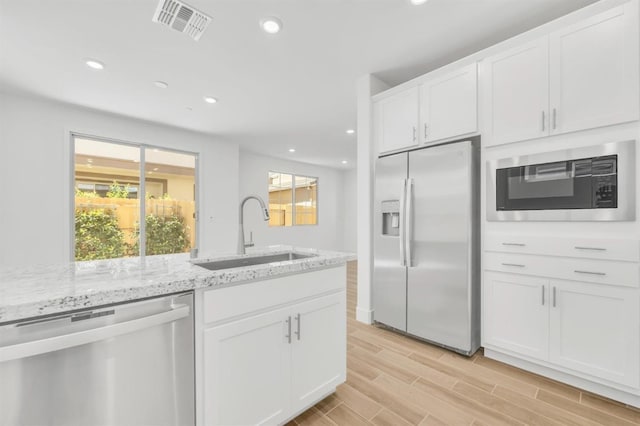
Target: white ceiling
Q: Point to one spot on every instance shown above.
(295, 89)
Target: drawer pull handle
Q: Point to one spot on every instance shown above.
(590, 273)
(590, 248)
(513, 264)
(514, 244)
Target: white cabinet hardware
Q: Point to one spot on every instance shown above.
(543, 287)
(554, 296)
(514, 244)
(543, 123)
(517, 265)
(298, 326)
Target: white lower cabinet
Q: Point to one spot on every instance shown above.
(319, 349)
(265, 368)
(247, 371)
(594, 329)
(516, 315)
(582, 327)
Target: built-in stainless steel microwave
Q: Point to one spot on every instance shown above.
(594, 183)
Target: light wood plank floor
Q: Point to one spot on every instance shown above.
(395, 381)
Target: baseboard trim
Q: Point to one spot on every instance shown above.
(364, 315)
(597, 388)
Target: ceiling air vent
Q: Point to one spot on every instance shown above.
(181, 17)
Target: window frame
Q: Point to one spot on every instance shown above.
(293, 198)
(142, 188)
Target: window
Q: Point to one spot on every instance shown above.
(110, 182)
(293, 199)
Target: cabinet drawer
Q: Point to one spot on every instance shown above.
(590, 248)
(607, 272)
(229, 302)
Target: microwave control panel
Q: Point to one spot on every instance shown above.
(605, 192)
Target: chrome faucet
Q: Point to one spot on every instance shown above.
(265, 215)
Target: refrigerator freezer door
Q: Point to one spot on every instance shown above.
(438, 285)
(389, 272)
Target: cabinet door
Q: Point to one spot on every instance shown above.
(319, 349)
(247, 371)
(516, 315)
(594, 71)
(518, 93)
(396, 121)
(448, 105)
(595, 329)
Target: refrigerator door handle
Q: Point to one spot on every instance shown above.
(409, 224)
(403, 222)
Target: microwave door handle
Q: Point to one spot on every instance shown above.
(51, 344)
(409, 225)
(403, 220)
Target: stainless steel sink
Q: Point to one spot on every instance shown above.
(254, 260)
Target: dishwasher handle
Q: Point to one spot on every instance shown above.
(51, 344)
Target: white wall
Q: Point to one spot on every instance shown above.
(35, 176)
(350, 212)
(327, 234)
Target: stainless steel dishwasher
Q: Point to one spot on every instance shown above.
(126, 364)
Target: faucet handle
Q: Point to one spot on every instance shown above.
(250, 243)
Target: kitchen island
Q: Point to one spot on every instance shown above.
(269, 339)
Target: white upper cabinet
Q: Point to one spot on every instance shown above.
(581, 77)
(518, 93)
(449, 105)
(441, 108)
(396, 121)
(594, 71)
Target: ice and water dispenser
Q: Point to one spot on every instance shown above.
(391, 218)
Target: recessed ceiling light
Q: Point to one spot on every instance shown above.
(271, 25)
(210, 100)
(344, 161)
(418, 2)
(292, 150)
(155, 169)
(161, 84)
(92, 63)
(89, 160)
(350, 131)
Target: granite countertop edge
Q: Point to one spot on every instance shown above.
(44, 290)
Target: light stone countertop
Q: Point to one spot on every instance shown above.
(29, 292)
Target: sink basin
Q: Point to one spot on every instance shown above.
(254, 260)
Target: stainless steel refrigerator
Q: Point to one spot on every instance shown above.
(426, 280)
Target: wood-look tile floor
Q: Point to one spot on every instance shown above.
(393, 380)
